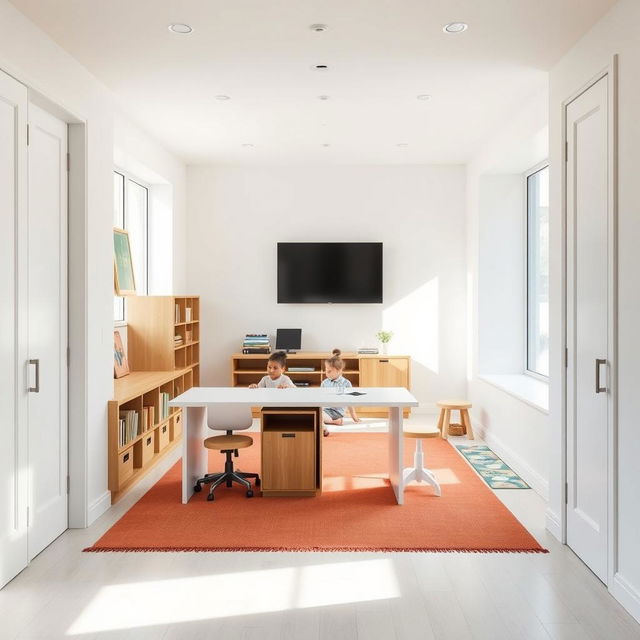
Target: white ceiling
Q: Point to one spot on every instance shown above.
(381, 54)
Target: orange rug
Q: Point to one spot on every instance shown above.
(357, 510)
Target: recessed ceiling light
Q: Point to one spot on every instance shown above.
(178, 27)
(455, 27)
(320, 67)
(326, 144)
(323, 97)
(402, 144)
(318, 28)
(424, 96)
(223, 97)
(248, 144)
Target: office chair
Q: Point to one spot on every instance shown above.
(228, 418)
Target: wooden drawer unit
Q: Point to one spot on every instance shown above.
(143, 451)
(162, 437)
(290, 452)
(384, 371)
(125, 465)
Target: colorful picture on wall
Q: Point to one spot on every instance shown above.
(125, 284)
(120, 362)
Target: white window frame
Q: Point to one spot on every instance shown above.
(534, 374)
(141, 290)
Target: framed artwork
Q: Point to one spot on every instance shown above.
(125, 284)
(120, 362)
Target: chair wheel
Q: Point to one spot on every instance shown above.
(257, 482)
(210, 497)
(249, 493)
(197, 488)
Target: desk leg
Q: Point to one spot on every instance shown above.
(396, 443)
(194, 455)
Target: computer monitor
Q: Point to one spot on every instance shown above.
(288, 339)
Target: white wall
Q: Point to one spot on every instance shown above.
(516, 430)
(616, 33)
(237, 215)
(34, 59)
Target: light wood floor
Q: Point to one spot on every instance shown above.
(367, 596)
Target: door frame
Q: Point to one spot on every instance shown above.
(610, 71)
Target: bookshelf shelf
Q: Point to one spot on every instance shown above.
(158, 367)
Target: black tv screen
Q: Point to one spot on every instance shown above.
(337, 272)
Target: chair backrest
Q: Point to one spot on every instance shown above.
(228, 417)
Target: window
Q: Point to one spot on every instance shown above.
(131, 212)
(538, 271)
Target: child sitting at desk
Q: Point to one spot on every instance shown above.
(333, 368)
(275, 378)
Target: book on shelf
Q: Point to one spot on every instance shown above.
(188, 336)
(187, 314)
(129, 426)
(368, 350)
(177, 313)
(164, 405)
(257, 350)
(151, 417)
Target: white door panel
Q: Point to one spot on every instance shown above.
(13, 399)
(587, 123)
(47, 328)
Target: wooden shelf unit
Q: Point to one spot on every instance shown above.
(130, 461)
(152, 324)
(291, 451)
(362, 370)
(157, 366)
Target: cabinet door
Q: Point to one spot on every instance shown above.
(288, 460)
(384, 372)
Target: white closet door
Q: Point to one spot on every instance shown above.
(13, 354)
(48, 457)
(587, 125)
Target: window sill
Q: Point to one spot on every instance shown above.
(526, 388)
(119, 323)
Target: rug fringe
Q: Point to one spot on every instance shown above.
(307, 550)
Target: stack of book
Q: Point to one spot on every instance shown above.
(128, 426)
(256, 343)
(367, 350)
(177, 340)
(164, 405)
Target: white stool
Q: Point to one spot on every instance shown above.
(419, 472)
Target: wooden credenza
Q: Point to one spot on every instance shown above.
(361, 370)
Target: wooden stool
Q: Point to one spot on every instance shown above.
(419, 472)
(444, 421)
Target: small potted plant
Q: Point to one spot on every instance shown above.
(384, 337)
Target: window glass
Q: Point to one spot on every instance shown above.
(538, 272)
(118, 221)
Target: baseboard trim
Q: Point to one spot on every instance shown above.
(98, 507)
(553, 524)
(537, 482)
(627, 595)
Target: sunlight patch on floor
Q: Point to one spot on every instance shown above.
(157, 602)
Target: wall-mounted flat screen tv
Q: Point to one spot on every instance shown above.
(334, 272)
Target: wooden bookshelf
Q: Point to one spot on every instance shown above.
(152, 324)
(158, 366)
(130, 460)
(362, 370)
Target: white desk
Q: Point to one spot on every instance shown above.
(195, 430)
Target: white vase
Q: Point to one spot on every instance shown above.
(383, 348)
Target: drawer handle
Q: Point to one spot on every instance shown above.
(383, 361)
(288, 435)
(164, 429)
(126, 457)
(148, 441)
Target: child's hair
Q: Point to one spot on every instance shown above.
(335, 360)
(280, 357)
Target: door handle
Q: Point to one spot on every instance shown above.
(599, 389)
(35, 389)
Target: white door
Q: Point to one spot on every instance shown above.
(47, 329)
(588, 276)
(13, 353)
